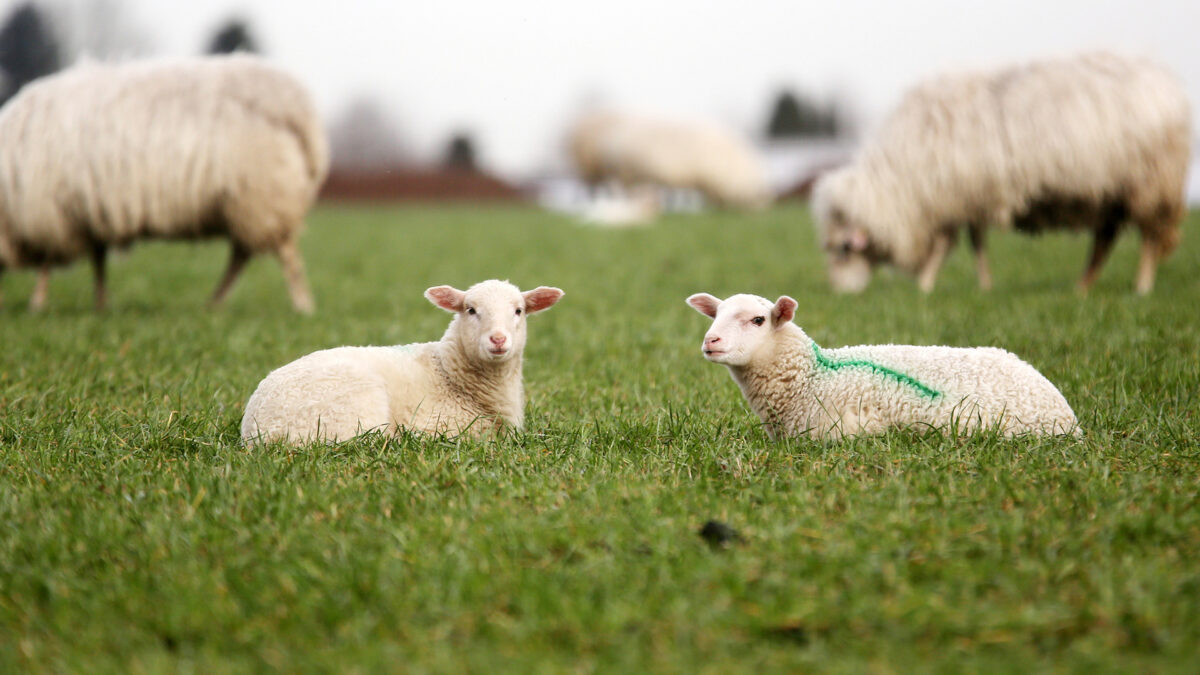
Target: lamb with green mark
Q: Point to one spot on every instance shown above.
(797, 388)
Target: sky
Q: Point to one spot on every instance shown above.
(514, 72)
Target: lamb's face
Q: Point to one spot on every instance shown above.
(742, 325)
(846, 242)
(491, 316)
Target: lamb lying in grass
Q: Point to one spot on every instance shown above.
(797, 388)
(469, 382)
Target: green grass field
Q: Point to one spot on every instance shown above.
(138, 536)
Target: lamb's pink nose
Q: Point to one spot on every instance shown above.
(710, 340)
(498, 340)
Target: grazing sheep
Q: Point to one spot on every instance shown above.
(1090, 142)
(469, 382)
(103, 154)
(642, 151)
(797, 388)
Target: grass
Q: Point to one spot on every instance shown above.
(139, 537)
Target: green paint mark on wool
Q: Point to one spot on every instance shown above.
(829, 364)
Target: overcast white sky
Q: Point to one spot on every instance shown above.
(514, 71)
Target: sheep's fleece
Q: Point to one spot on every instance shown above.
(797, 388)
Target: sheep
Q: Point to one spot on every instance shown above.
(467, 383)
(797, 388)
(640, 152)
(1089, 142)
(102, 154)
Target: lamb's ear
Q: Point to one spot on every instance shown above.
(540, 298)
(783, 311)
(705, 304)
(448, 298)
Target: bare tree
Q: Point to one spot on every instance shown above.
(28, 49)
(99, 29)
(233, 36)
(798, 116)
(460, 152)
(365, 136)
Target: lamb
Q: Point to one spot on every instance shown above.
(103, 154)
(797, 388)
(467, 383)
(1090, 142)
(640, 152)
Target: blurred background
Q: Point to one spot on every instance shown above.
(472, 100)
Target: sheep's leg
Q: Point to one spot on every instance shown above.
(942, 242)
(293, 270)
(979, 245)
(1101, 246)
(41, 288)
(1147, 265)
(99, 272)
(237, 261)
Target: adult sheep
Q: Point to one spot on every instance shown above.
(1090, 142)
(638, 151)
(103, 154)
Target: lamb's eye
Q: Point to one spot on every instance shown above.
(518, 311)
(758, 320)
(471, 311)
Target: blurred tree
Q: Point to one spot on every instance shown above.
(365, 137)
(234, 36)
(795, 116)
(460, 152)
(99, 29)
(28, 49)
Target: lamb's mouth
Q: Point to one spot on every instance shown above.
(499, 351)
(712, 352)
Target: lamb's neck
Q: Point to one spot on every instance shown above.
(495, 388)
(774, 381)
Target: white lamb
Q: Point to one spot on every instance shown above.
(101, 155)
(797, 388)
(467, 383)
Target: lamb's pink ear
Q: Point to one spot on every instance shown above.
(448, 298)
(540, 298)
(705, 304)
(783, 311)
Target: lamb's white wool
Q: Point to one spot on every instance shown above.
(103, 154)
(638, 151)
(797, 388)
(1089, 142)
(469, 382)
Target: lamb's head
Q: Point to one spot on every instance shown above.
(845, 238)
(744, 326)
(489, 321)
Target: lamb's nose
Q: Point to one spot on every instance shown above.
(497, 339)
(710, 340)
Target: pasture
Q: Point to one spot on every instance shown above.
(138, 535)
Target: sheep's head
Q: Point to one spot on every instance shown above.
(490, 316)
(847, 242)
(742, 325)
